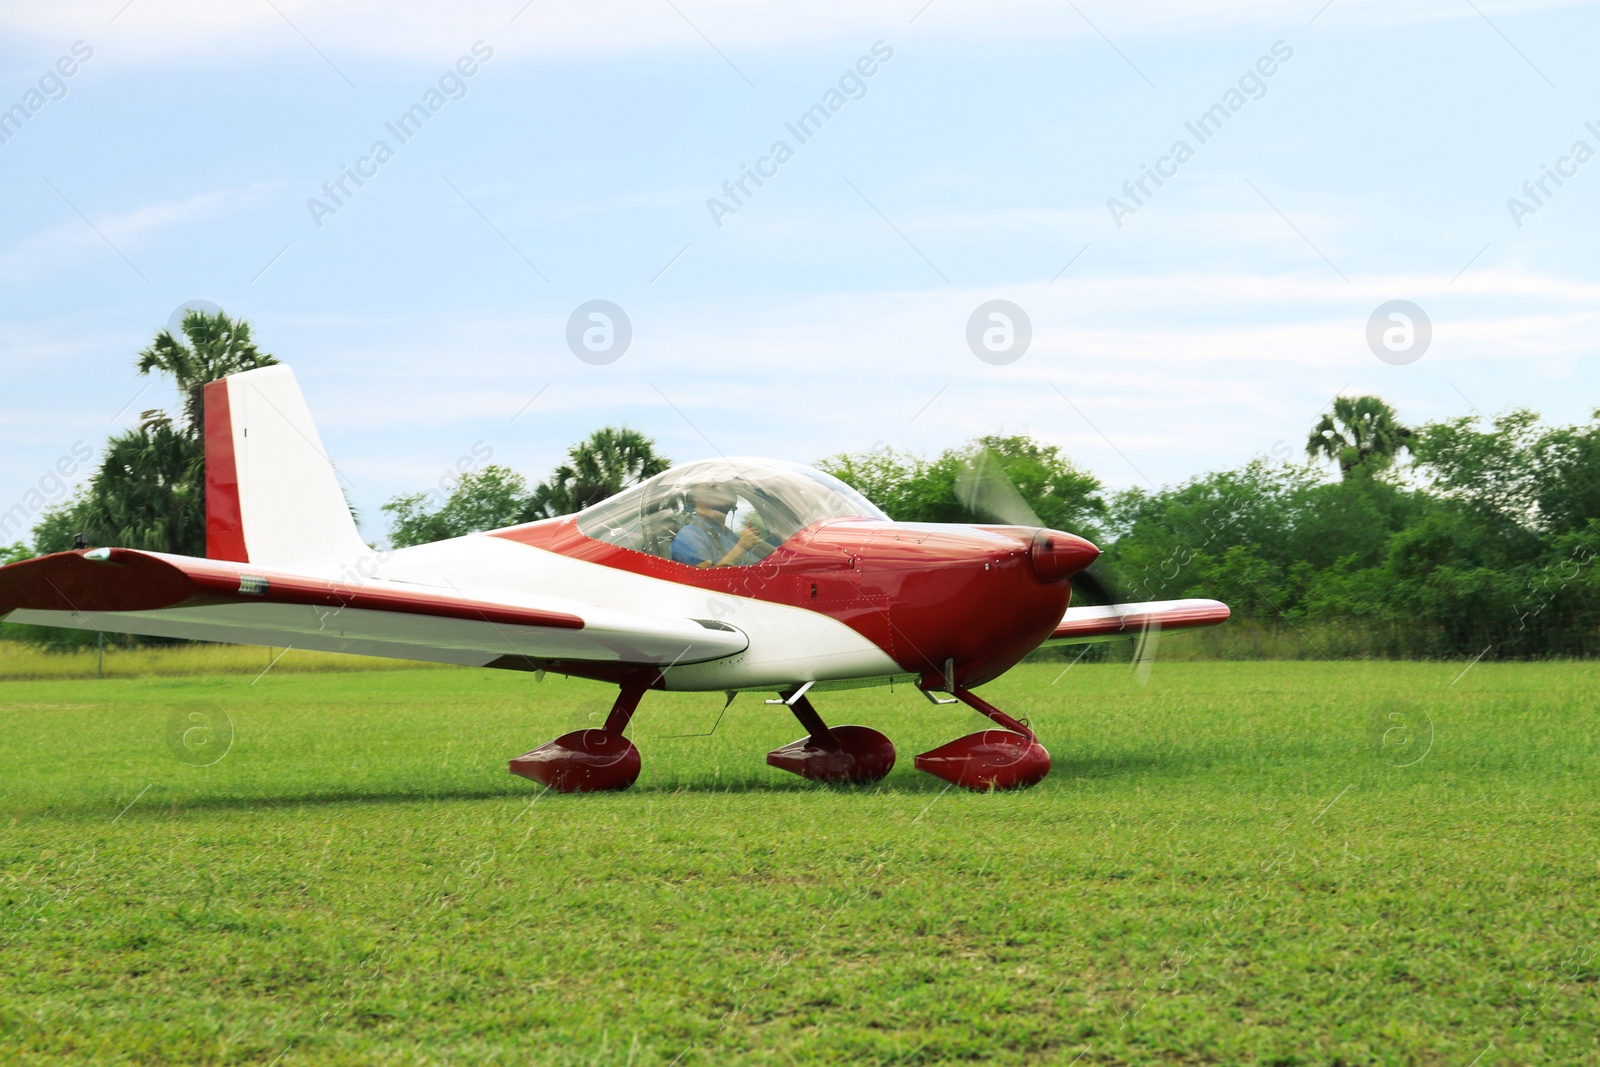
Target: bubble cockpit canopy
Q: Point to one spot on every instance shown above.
(774, 498)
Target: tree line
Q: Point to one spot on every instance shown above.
(1458, 538)
(1462, 537)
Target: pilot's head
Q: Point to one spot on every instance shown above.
(712, 497)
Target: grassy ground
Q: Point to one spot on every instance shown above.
(24, 662)
(1276, 863)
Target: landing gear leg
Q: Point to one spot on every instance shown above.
(589, 761)
(1007, 758)
(858, 755)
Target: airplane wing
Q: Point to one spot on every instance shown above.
(1084, 625)
(125, 591)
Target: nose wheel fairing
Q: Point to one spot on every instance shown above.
(988, 759)
(1006, 758)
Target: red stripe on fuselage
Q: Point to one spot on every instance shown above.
(224, 517)
(923, 593)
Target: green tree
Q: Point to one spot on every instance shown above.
(211, 347)
(1231, 535)
(1060, 494)
(598, 467)
(1362, 434)
(1495, 476)
(1566, 478)
(895, 481)
(972, 484)
(489, 499)
(1510, 562)
(149, 491)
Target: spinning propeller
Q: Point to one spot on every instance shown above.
(984, 488)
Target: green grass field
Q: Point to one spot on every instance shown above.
(22, 662)
(1267, 863)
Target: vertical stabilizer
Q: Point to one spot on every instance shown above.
(272, 497)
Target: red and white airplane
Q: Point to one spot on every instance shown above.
(818, 590)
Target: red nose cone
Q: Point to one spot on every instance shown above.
(1058, 556)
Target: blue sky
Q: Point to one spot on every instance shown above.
(830, 311)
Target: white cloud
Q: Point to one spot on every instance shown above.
(207, 32)
(75, 240)
(1166, 375)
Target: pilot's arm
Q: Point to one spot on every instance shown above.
(696, 548)
(689, 546)
(749, 538)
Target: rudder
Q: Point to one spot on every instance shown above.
(272, 497)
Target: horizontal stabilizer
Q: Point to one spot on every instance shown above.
(123, 591)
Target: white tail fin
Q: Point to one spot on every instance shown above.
(272, 497)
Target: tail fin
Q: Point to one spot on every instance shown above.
(272, 497)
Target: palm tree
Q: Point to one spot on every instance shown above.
(1362, 434)
(213, 346)
(601, 465)
(149, 492)
(146, 494)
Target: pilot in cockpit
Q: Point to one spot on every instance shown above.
(706, 541)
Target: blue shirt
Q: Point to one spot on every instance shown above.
(702, 541)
